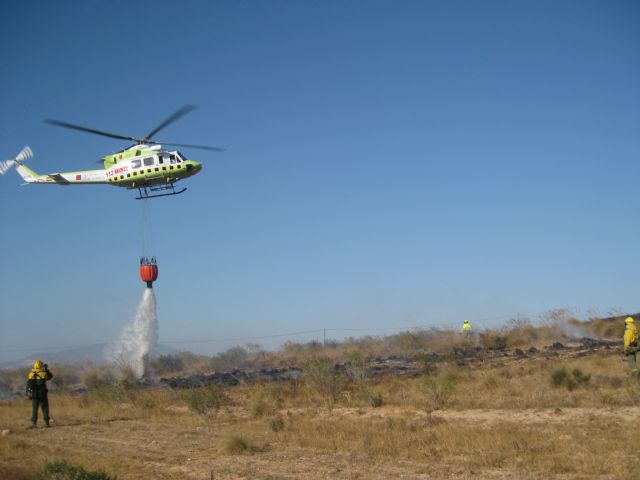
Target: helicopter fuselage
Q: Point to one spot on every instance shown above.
(137, 167)
(144, 166)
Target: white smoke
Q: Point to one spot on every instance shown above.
(138, 339)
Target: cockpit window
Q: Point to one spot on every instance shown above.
(148, 161)
(172, 159)
(181, 157)
(136, 163)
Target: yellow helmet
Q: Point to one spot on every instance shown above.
(628, 320)
(37, 365)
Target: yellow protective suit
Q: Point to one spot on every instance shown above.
(38, 372)
(630, 337)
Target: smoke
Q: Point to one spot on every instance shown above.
(572, 330)
(139, 338)
(564, 320)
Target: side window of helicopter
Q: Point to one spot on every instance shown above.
(148, 161)
(160, 159)
(135, 163)
(172, 159)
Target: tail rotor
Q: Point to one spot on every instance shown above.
(25, 154)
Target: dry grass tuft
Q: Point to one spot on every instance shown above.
(203, 400)
(276, 423)
(238, 444)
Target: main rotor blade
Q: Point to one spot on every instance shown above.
(180, 113)
(200, 147)
(89, 130)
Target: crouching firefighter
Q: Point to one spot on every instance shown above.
(631, 344)
(37, 391)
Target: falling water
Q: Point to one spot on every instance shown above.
(139, 338)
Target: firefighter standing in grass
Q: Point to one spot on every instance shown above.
(631, 344)
(466, 328)
(37, 388)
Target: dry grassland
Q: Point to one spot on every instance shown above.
(502, 418)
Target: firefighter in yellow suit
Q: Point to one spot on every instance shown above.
(38, 392)
(466, 328)
(631, 344)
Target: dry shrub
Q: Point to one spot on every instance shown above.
(203, 400)
(94, 377)
(561, 377)
(491, 382)
(12, 381)
(66, 375)
(321, 375)
(238, 444)
(418, 341)
(180, 363)
(117, 392)
(491, 340)
(606, 327)
(276, 423)
(375, 399)
(436, 393)
(230, 359)
(167, 364)
(280, 392)
(356, 366)
(258, 407)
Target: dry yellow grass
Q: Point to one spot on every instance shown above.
(501, 418)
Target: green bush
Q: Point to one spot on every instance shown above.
(580, 378)
(561, 377)
(62, 470)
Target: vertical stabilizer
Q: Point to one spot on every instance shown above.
(26, 173)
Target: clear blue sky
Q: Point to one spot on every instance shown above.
(389, 164)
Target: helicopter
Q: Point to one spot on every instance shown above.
(145, 165)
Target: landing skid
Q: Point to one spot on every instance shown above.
(149, 192)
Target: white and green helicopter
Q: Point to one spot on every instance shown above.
(145, 165)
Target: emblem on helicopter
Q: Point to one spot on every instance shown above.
(144, 165)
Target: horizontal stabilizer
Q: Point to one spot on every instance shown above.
(56, 177)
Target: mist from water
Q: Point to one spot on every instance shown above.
(139, 338)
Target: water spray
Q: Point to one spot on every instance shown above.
(139, 338)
